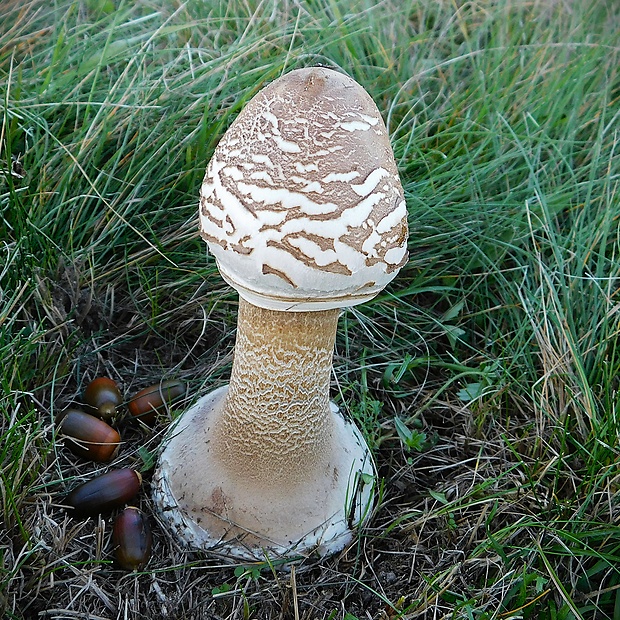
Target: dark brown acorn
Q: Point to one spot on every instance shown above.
(132, 539)
(105, 492)
(88, 436)
(150, 401)
(103, 397)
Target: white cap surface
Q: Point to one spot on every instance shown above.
(301, 204)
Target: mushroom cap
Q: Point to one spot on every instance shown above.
(301, 203)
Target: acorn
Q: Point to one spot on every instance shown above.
(105, 492)
(132, 539)
(150, 401)
(103, 397)
(88, 436)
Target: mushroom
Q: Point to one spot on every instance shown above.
(303, 209)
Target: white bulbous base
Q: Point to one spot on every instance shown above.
(208, 509)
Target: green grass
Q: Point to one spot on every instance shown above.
(496, 347)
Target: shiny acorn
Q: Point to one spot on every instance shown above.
(105, 492)
(103, 397)
(88, 436)
(131, 536)
(150, 401)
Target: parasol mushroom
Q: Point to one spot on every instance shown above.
(303, 209)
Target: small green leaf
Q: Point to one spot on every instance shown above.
(413, 439)
(440, 497)
(470, 392)
(454, 333)
(452, 313)
(225, 587)
(367, 478)
(148, 458)
(403, 431)
(541, 583)
(394, 372)
(247, 571)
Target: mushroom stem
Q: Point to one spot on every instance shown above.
(277, 421)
